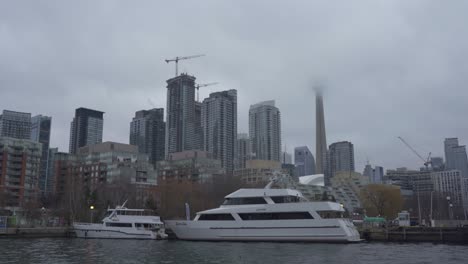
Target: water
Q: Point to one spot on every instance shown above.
(141, 251)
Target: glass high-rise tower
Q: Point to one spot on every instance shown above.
(86, 128)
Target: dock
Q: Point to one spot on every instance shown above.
(457, 235)
(37, 232)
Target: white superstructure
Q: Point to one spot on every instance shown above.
(268, 215)
(122, 222)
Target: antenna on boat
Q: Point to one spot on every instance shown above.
(123, 205)
(273, 180)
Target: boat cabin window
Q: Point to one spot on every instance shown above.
(330, 214)
(286, 199)
(276, 216)
(145, 226)
(131, 212)
(247, 200)
(215, 217)
(119, 224)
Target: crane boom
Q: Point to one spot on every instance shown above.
(412, 149)
(426, 161)
(176, 60)
(203, 85)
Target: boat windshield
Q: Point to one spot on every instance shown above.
(246, 200)
(286, 199)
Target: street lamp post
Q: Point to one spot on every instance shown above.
(451, 211)
(91, 211)
(449, 208)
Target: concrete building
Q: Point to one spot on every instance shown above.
(64, 168)
(243, 150)
(413, 180)
(112, 162)
(15, 124)
(219, 123)
(350, 178)
(148, 132)
(313, 188)
(340, 157)
(286, 158)
(455, 156)
(86, 128)
(452, 184)
(50, 181)
(304, 161)
(19, 171)
(375, 175)
(192, 165)
(265, 131)
(437, 164)
(259, 172)
(183, 122)
(107, 164)
(40, 132)
(320, 135)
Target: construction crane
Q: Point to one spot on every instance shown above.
(426, 161)
(203, 85)
(426, 164)
(177, 59)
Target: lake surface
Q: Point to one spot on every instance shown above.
(49, 250)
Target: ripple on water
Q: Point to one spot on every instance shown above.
(168, 252)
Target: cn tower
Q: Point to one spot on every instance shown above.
(320, 136)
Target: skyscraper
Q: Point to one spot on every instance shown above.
(86, 128)
(148, 132)
(183, 120)
(304, 161)
(449, 144)
(243, 150)
(455, 156)
(375, 175)
(265, 130)
(219, 122)
(320, 135)
(286, 158)
(40, 132)
(340, 158)
(15, 124)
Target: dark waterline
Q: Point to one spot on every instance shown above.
(143, 251)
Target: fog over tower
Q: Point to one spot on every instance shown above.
(320, 136)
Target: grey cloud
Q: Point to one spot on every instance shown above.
(389, 68)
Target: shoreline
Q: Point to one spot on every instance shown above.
(400, 235)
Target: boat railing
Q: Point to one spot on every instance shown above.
(83, 223)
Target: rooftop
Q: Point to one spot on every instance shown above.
(243, 193)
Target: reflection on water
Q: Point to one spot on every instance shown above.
(143, 251)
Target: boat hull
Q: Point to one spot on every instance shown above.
(100, 231)
(336, 231)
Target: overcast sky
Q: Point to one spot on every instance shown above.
(389, 68)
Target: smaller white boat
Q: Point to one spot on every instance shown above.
(124, 223)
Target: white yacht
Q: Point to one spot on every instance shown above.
(122, 222)
(268, 215)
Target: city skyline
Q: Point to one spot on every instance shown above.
(367, 99)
